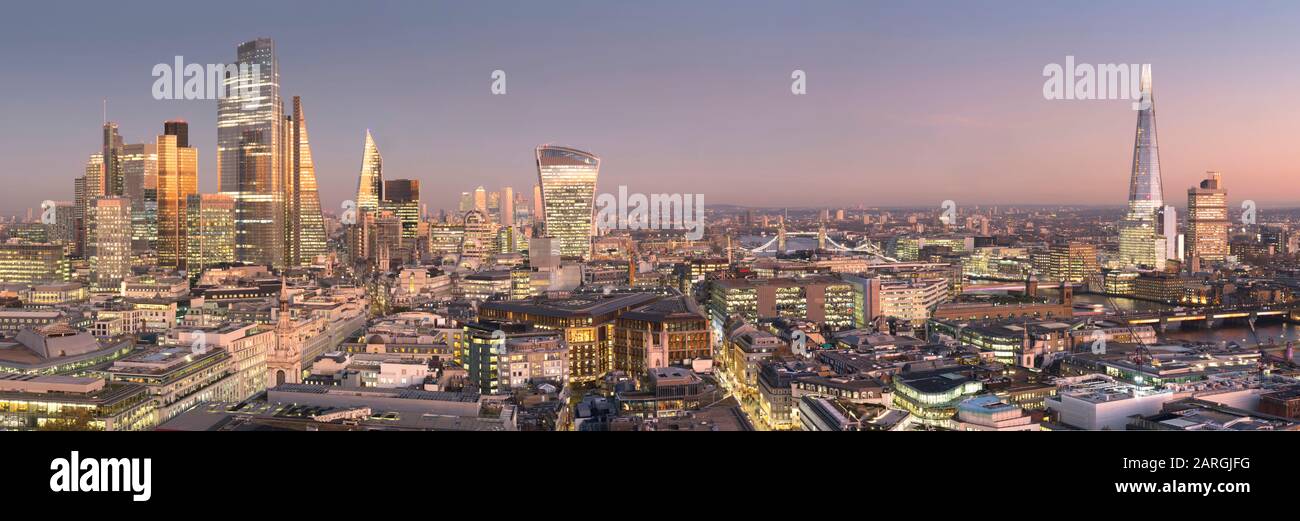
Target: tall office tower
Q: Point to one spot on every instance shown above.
(88, 187)
(178, 178)
(1168, 230)
(1207, 221)
(209, 230)
(64, 230)
(78, 216)
(402, 198)
(370, 189)
(140, 169)
(480, 200)
(114, 175)
(568, 184)
(370, 192)
(384, 233)
(523, 211)
(304, 230)
(508, 206)
(1140, 242)
(538, 214)
(494, 206)
(466, 202)
(179, 128)
(110, 233)
(479, 239)
(249, 152)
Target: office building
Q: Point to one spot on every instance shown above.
(1207, 222)
(304, 230)
(567, 178)
(177, 180)
(28, 263)
(140, 168)
(370, 187)
(402, 198)
(110, 241)
(209, 230)
(670, 332)
(250, 152)
(1140, 240)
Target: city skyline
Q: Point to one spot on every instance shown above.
(863, 118)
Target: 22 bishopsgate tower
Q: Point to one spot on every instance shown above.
(264, 164)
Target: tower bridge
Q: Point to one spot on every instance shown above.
(824, 242)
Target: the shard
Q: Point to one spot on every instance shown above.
(1140, 240)
(305, 227)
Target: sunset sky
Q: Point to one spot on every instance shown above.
(908, 103)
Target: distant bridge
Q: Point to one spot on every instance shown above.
(824, 242)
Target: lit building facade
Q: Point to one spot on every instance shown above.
(210, 230)
(1072, 262)
(402, 197)
(304, 230)
(666, 333)
(140, 167)
(177, 180)
(568, 187)
(1207, 221)
(370, 187)
(250, 153)
(28, 263)
(110, 235)
(1140, 240)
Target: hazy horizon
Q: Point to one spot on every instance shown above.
(906, 104)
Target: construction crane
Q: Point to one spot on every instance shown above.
(1142, 352)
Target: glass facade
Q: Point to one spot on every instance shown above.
(177, 180)
(249, 152)
(110, 233)
(568, 181)
(210, 230)
(1207, 220)
(1140, 244)
(370, 189)
(304, 232)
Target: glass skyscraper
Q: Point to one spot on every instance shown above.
(140, 167)
(304, 231)
(110, 233)
(402, 198)
(1207, 221)
(370, 188)
(250, 150)
(567, 178)
(178, 178)
(1140, 240)
(210, 230)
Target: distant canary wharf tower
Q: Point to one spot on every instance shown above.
(304, 230)
(250, 153)
(1140, 243)
(370, 189)
(568, 187)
